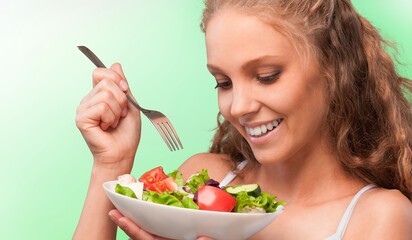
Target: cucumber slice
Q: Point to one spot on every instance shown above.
(250, 189)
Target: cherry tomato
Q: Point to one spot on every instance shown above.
(215, 199)
(155, 175)
(167, 184)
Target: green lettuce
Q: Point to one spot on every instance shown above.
(264, 201)
(198, 180)
(124, 191)
(177, 176)
(175, 198)
(189, 203)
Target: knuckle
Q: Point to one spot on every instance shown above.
(116, 65)
(99, 74)
(105, 83)
(123, 100)
(96, 72)
(84, 99)
(78, 110)
(106, 94)
(79, 120)
(103, 107)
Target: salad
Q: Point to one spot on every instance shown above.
(198, 192)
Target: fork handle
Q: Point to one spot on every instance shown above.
(91, 56)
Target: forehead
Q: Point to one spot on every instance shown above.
(242, 36)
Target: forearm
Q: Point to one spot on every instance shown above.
(94, 222)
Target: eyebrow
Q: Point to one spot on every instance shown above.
(252, 62)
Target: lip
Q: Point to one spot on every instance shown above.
(257, 124)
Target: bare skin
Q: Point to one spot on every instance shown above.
(260, 78)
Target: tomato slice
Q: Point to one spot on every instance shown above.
(167, 184)
(215, 199)
(152, 176)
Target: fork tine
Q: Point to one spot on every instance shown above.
(168, 135)
(174, 134)
(162, 134)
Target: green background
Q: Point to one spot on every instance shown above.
(44, 162)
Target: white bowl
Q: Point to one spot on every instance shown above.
(182, 223)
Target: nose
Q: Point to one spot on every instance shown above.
(243, 101)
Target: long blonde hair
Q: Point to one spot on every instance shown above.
(369, 117)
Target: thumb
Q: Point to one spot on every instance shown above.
(117, 67)
(124, 85)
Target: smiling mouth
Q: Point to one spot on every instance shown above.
(264, 128)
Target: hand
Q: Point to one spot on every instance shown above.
(134, 231)
(109, 125)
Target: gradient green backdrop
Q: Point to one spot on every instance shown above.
(44, 162)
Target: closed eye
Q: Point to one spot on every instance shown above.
(269, 79)
(224, 85)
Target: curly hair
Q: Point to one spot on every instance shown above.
(369, 116)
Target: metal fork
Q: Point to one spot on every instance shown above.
(159, 120)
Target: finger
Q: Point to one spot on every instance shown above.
(111, 110)
(105, 73)
(107, 91)
(119, 70)
(130, 228)
(115, 215)
(124, 86)
(134, 231)
(103, 113)
(98, 115)
(117, 67)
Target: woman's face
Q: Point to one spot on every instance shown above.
(264, 90)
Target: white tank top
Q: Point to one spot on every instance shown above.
(338, 235)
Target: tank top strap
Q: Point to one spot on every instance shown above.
(232, 175)
(348, 212)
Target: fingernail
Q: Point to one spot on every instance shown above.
(112, 217)
(123, 85)
(122, 224)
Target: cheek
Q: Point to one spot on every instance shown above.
(224, 103)
(306, 94)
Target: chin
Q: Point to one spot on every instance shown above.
(266, 157)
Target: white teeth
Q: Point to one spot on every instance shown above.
(264, 129)
(258, 131)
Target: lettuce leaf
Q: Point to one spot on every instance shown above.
(162, 198)
(176, 199)
(264, 201)
(197, 180)
(124, 191)
(177, 176)
(189, 203)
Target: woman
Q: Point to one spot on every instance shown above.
(307, 96)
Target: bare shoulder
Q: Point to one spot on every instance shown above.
(382, 214)
(218, 165)
(389, 203)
